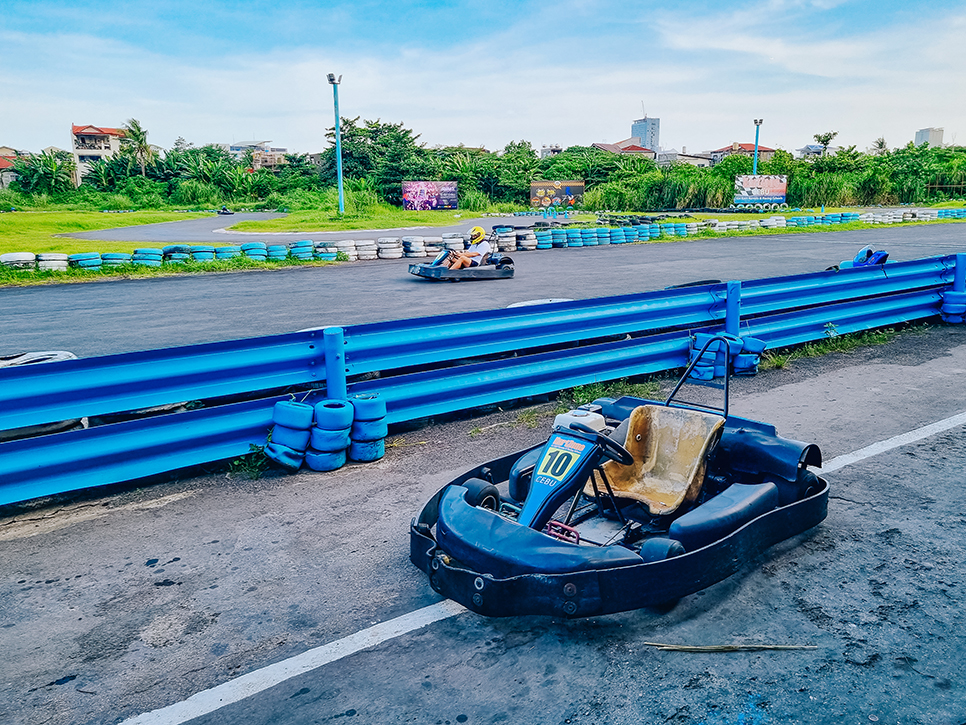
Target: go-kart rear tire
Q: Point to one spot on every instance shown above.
(482, 494)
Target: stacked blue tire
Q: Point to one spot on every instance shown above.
(85, 260)
(954, 307)
(202, 252)
(369, 427)
(329, 439)
(291, 434)
(148, 257)
(255, 250)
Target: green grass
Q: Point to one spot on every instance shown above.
(783, 357)
(583, 394)
(10, 277)
(34, 231)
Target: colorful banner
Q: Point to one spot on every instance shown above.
(556, 193)
(760, 189)
(423, 195)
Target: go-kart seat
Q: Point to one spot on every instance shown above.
(670, 447)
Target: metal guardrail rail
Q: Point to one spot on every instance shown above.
(434, 366)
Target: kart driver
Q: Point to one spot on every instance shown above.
(472, 257)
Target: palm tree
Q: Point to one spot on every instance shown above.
(880, 147)
(135, 140)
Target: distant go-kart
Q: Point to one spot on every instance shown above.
(495, 266)
(636, 505)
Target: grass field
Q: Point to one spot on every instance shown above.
(33, 231)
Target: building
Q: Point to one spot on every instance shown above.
(238, 151)
(741, 149)
(90, 144)
(7, 157)
(812, 150)
(631, 145)
(673, 156)
(551, 150)
(931, 136)
(648, 130)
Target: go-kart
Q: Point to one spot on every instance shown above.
(643, 504)
(495, 266)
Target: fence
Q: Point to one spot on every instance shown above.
(422, 367)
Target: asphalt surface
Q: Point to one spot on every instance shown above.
(108, 317)
(126, 602)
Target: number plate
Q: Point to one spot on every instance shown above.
(559, 459)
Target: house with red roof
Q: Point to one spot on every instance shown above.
(742, 149)
(630, 145)
(93, 143)
(7, 157)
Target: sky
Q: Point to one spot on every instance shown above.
(485, 72)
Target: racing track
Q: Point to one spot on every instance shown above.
(122, 316)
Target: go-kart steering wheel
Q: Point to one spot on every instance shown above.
(611, 448)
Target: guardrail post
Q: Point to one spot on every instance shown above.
(959, 276)
(733, 309)
(333, 343)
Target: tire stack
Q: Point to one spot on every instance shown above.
(413, 247)
(369, 427)
(291, 433)
(569, 237)
(746, 361)
(389, 248)
(454, 241)
(526, 240)
(329, 438)
(255, 250)
(348, 248)
(303, 250)
(85, 260)
(54, 262)
(176, 253)
(277, 252)
(325, 251)
(954, 307)
(19, 260)
(545, 238)
(713, 363)
(202, 252)
(432, 246)
(147, 257)
(367, 249)
(228, 252)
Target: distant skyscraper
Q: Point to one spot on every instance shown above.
(649, 131)
(931, 136)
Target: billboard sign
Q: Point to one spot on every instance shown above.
(424, 195)
(556, 193)
(760, 189)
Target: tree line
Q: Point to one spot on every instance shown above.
(378, 156)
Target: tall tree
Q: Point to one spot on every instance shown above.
(824, 139)
(880, 147)
(135, 142)
(45, 173)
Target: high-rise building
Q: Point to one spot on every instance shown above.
(648, 130)
(931, 136)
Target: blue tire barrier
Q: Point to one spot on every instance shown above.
(202, 248)
(292, 415)
(152, 257)
(82, 256)
(701, 338)
(304, 244)
(366, 451)
(326, 256)
(329, 440)
(257, 257)
(116, 257)
(277, 248)
(152, 252)
(707, 359)
(284, 456)
(948, 309)
(148, 262)
(368, 406)
(177, 249)
(202, 256)
(250, 246)
(954, 298)
(333, 414)
(702, 372)
(745, 361)
(954, 319)
(177, 257)
(294, 438)
(325, 460)
(369, 430)
(753, 345)
(88, 263)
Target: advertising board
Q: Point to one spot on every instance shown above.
(556, 193)
(760, 189)
(424, 195)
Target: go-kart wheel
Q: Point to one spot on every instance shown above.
(482, 494)
(611, 448)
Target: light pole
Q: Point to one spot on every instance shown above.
(338, 138)
(754, 165)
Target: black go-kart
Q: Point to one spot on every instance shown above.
(495, 266)
(645, 503)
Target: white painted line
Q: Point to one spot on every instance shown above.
(900, 440)
(208, 701)
(260, 680)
